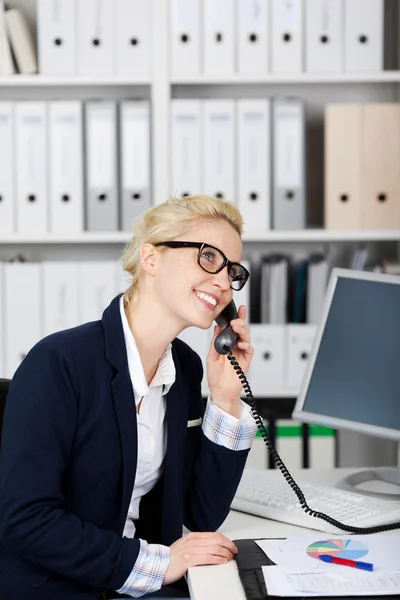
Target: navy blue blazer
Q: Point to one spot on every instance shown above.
(68, 461)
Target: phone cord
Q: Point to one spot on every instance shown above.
(284, 470)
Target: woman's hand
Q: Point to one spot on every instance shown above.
(196, 549)
(223, 381)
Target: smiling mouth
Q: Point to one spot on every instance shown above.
(209, 301)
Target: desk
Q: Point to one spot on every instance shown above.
(221, 582)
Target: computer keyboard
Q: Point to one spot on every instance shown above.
(267, 494)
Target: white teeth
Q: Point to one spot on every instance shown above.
(208, 299)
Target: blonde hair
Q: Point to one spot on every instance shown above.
(169, 220)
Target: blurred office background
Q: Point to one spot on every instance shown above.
(288, 108)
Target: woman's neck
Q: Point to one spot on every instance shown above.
(150, 329)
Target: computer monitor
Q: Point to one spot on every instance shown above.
(352, 380)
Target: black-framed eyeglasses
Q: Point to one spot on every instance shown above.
(212, 260)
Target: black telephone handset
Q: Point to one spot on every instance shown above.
(226, 339)
(224, 342)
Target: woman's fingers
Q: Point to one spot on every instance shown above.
(196, 549)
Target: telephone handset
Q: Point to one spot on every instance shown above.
(227, 338)
(224, 343)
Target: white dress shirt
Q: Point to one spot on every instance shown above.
(151, 431)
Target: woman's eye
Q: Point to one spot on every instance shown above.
(208, 256)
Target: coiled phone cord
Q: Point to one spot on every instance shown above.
(284, 470)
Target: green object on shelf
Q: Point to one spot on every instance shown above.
(296, 431)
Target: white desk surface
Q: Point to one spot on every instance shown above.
(221, 582)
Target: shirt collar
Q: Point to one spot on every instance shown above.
(165, 374)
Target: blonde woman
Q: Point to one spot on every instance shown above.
(107, 447)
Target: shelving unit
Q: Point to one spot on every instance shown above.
(160, 88)
(316, 90)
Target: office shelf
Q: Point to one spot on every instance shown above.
(86, 237)
(110, 81)
(295, 78)
(44, 81)
(325, 235)
(122, 237)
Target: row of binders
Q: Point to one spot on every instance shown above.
(84, 38)
(223, 37)
(67, 167)
(292, 292)
(362, 157)
(61, 295)
(251, 152)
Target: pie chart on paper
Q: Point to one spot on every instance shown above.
(349, 549)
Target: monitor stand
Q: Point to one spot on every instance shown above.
(387, 475)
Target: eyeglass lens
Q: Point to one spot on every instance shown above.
(211, 260)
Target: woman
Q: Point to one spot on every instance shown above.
(107, 448)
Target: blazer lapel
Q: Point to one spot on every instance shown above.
(176, 418)
(123, 399)
(125, 411)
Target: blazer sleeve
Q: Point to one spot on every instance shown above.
(216, 474)
(42, 405)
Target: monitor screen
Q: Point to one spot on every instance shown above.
(352, 380)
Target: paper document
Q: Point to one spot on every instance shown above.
(300, 553)
(344, 583)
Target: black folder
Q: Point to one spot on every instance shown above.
(249, 560)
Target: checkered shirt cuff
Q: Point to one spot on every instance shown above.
(149, 570)
(225, 430)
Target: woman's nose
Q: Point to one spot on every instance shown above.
(222, 279)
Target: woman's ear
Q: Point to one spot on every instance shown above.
(148, 259)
